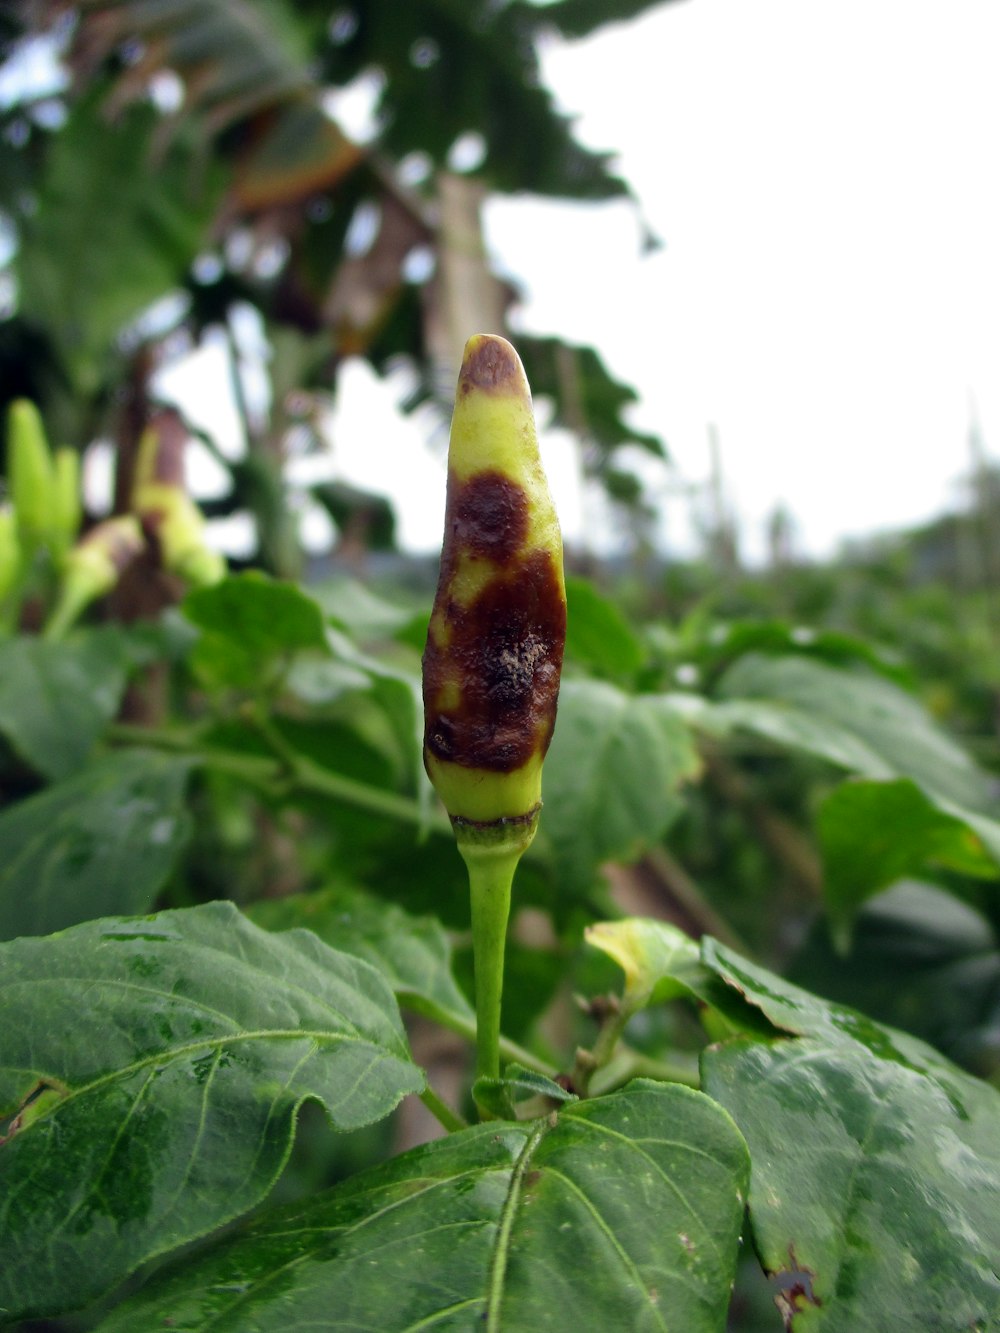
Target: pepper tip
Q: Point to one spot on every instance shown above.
(491, 363)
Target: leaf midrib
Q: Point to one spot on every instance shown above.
(207, 1044)
(501, 1249)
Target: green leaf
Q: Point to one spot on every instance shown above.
(799, 1012)
(920, 960)
(412, 953)
(251, 625)
(598, 635)
(499, 1096)
(502, 1226)
(355, 608)
(108, 236)
(874, 833)
(57, 698)
(661, 963)
(100, 843)
(878, 730)
(611, 776)
(169, 1056)
(875, 1191)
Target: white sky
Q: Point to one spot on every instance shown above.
(825, 176)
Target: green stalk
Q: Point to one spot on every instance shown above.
(491, 875)
(441, 1111)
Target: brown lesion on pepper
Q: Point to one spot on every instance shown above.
(505, 652)
(487, 515)
(489, 365)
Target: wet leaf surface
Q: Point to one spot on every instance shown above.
(539, 1225)
(875, 1190)
(151, 1069)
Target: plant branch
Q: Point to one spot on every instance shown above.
(289, 770)
(441, 1111)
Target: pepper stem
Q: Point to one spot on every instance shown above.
(490, 879)
(491, 855)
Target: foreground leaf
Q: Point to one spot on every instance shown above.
(875, 1192)
(875, 1189)
(100, 843)
(412, 953)
(154, 1067)
(503, 1226)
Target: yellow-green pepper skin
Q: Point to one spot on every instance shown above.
(10, 552)
(495, 644)
(169, 516)
(67, 506)
(92, 568)
(30, 474)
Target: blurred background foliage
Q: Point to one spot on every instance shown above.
(799, 758)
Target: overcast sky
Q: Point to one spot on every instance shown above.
(824, 174)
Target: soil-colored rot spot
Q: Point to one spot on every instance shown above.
(491, 364)
(487, 515)
(505, 651)
(793, 1289)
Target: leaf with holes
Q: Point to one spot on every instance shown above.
(152, 1068)
(503, 1226)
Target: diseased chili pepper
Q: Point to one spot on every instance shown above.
(495, 644)
(494, 650)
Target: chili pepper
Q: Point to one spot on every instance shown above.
(93, 567)
(30, 473)
(497, 630)
(66, 507)
(494, 651)
(168, 514)
(10, 553)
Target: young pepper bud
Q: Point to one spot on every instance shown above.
(494, 652)
(67, 506)
(168, 514)
(92, 568)
(10, 553)
(497, 630)
(30, 472)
